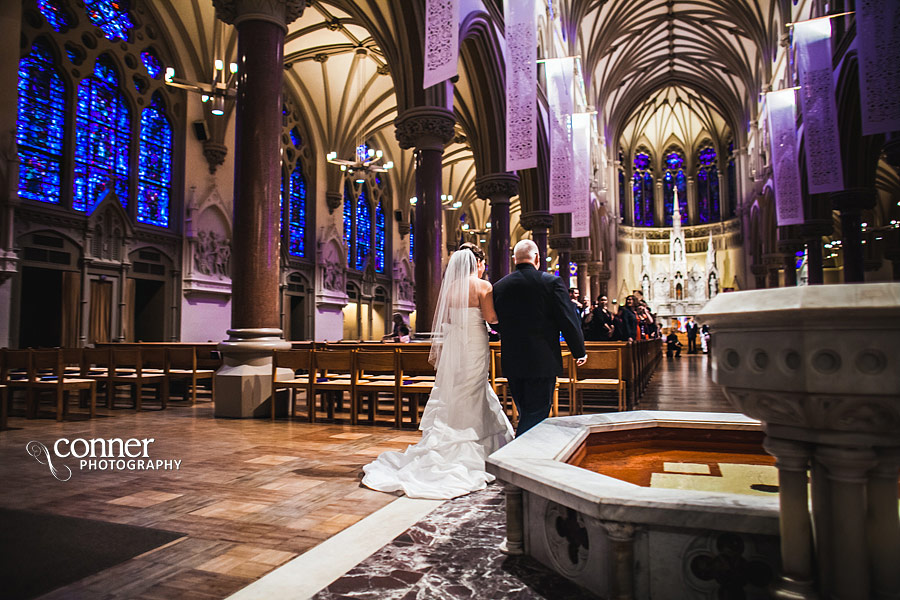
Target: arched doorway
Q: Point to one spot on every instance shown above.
(149, 297)
(297, 314)
(49, 298)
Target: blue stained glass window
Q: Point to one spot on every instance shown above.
(362, 152)
(412, 237)
(674, 177)
(641, 161)
(111, 16)
(39, 127)
(154, 165)
(348, 222)
(623, 212)
(101, 138)
(732, 182)
(708, 186)
(642, 189)
(674, 161)
(151, 63)
(379, 239)
(58, 17)
(670, 181)
(363, 228)
(297, 205)
(295, 137)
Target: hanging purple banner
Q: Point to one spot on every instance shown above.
(441, 40)
(812, 40)
(783, 136)
(560, 73)
(878, 36)
(521, 84)
(581, 143)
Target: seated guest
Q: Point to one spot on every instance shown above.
(395, 335)
(404, 334)
(673, 346)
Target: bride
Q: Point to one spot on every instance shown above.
(463, 421)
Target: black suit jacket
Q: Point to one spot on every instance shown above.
(533, 308)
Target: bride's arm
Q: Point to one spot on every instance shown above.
(487, 304)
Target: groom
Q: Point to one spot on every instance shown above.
(533, 308)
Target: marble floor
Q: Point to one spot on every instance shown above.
(274, 510)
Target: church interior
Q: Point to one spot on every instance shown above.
(204, 204)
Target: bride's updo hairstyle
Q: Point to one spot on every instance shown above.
(478, 252)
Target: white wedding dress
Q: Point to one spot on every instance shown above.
(462, 424)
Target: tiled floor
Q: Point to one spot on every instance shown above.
(251, 495)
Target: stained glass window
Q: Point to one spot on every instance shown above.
(642, 188)
(348, 222)
(412, 238)
(111, 16)
(39, 129)
(101, 138)
(154, 165)
(379, 239)
(623, 208)
(151, 63)
(295, 137)
(58, 17)
(297, 232)
(732, 182)
(708, 186)
(363, 228)
(673, 178)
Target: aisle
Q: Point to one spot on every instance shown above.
(685, 383)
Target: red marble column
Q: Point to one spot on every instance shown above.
(498, 188)
(427, 129)
(538, 222)
(257, 176)
(243, 384)
(851, 203)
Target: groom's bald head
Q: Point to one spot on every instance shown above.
(526, 251)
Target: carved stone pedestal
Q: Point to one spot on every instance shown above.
(820, 367)
(244, 382)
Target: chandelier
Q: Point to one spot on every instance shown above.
(367, 160)
(221, 88)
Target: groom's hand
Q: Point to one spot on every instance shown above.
(580, 361)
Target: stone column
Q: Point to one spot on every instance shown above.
(538, 222)
(498, 188)
(773, 263)
(851, 203)
(884, 525)
(759, 275)
(427, 129)
(593, 271)
(563, 244)
(621, 558)
(847, 560)
(581, 257)
(243, 384)
(514, 544)
(792, 460)
(811, 232)
(789, 243)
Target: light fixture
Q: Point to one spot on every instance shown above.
(215, 93)
(456, 204)
(367, 161)
(413, 200)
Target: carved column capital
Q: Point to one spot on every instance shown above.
(425, 128)
(853, 199)
(538, 219)
(333, 200)
(279, 12)
(215, 154)
(561, 242)
(816, 228)
(497, 187)
(582, 256)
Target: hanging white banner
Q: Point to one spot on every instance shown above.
(822, 141)
(783, 136)
(581, 147)
(878, 36)
(562, 166)
(441, 40)
(521, 84)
